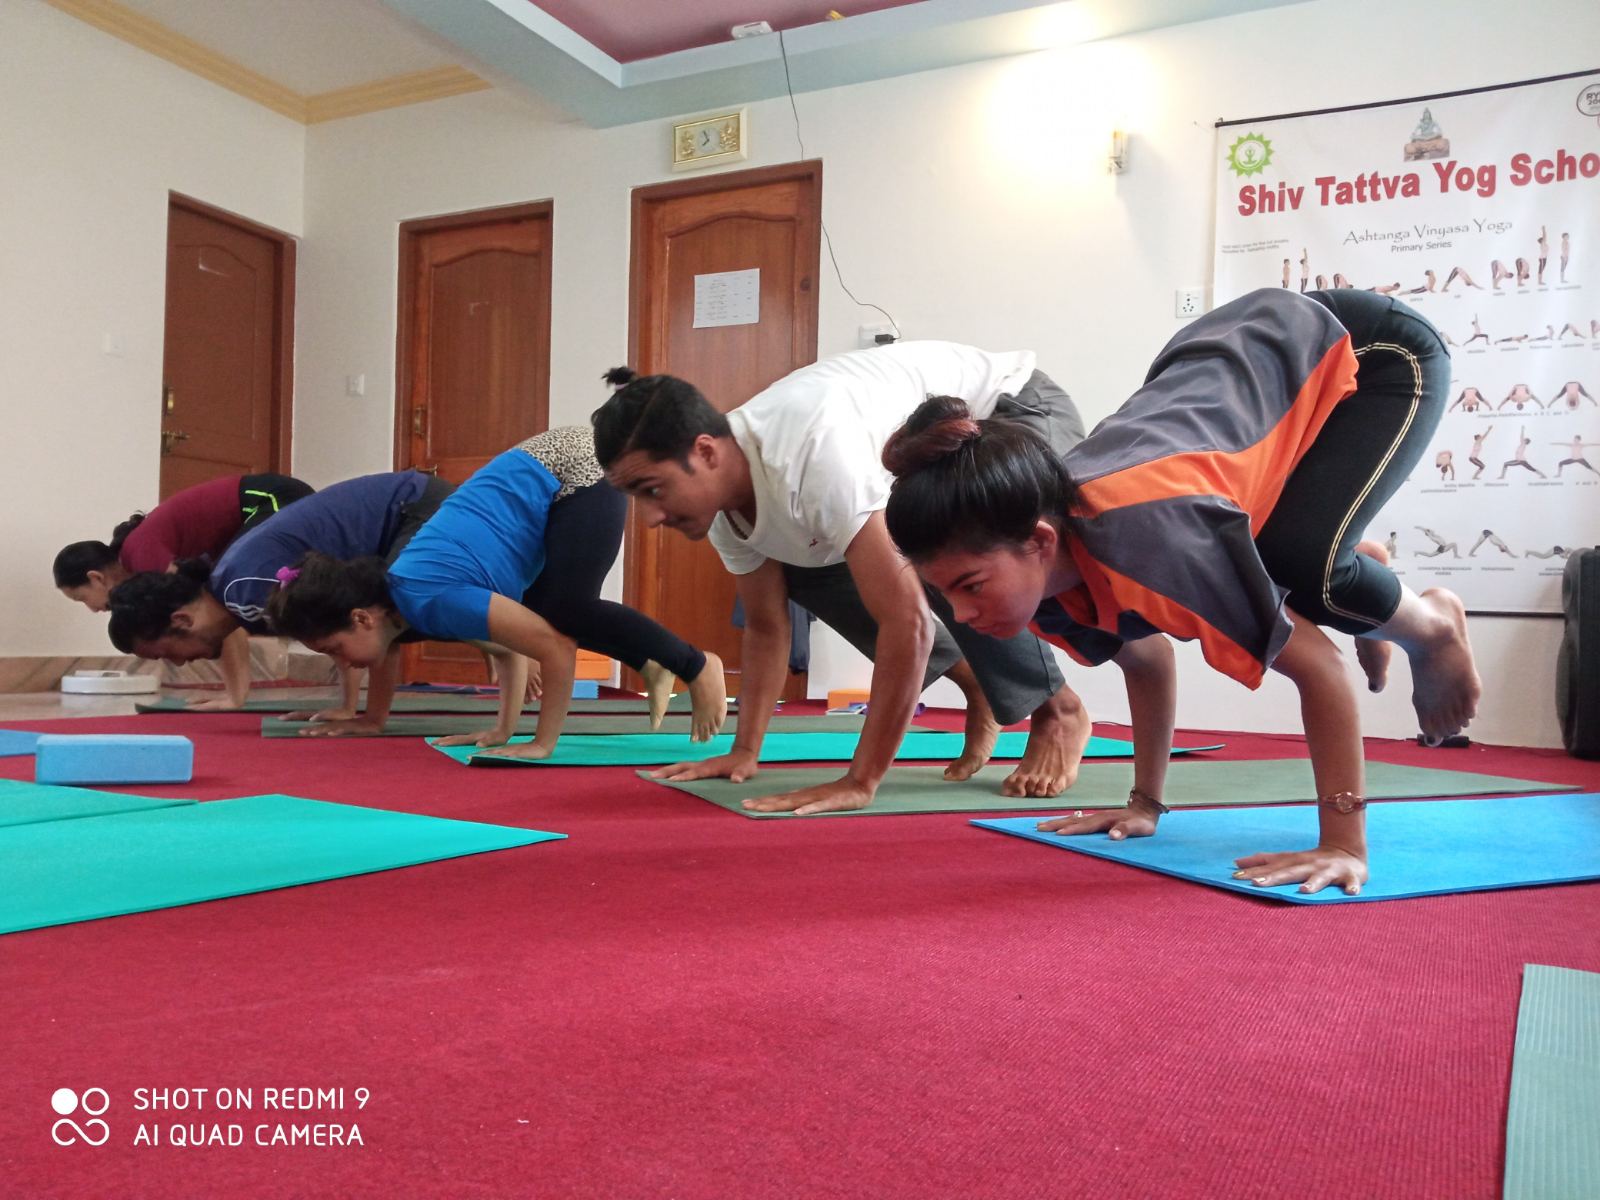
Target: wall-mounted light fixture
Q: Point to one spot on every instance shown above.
(1117, 163)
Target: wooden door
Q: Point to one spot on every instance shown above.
(768, 220)
(228, 353)
(473, 361)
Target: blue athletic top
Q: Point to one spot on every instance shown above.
(487, 539)
(348, 520)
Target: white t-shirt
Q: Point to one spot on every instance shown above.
(814, 441)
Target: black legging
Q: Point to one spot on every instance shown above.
(582, 536)
(1369, 445)
(262, 496)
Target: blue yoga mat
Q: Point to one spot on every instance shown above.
(15, 742)
(1415, 847)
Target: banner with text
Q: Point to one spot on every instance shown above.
(1482, 211)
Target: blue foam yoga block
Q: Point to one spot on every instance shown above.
(113, 758)
(585, 689)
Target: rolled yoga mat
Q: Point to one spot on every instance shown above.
(1414, 847)
(1105, 785)
(1553, 1118)
(58, 872)
(646, 749)
(425, 703)
(578, 723)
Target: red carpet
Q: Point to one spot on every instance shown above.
(677, 1002)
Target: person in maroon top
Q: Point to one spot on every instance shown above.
(198, 522)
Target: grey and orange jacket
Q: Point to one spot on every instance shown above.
(1177, 482)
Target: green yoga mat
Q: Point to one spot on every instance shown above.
(1552, 1120)
(1105, 785)
(59, 872)
(578, 723)
(23, 803)
(411, 702)
(647, 749)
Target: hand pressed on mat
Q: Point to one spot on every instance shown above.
(487, 737)
(841, 795)
(213, 704)
(1313, 870)
(521, 750)
(738, 765)
(318, 714)
(364, 726)
(1115, 823)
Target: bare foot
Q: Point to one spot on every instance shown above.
(709, 693)
(657, 691)
(982, 730)
(1371, 653)
(1055, 748)
(1445, 683)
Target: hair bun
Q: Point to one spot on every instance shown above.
(940, 426)
(620, 376)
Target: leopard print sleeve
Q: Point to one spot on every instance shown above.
(567, 452)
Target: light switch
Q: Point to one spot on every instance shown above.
(355, 385)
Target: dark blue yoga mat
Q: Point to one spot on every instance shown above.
(1415, 847)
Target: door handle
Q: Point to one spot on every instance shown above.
(419, 419)
(169, 399)
(169, 437)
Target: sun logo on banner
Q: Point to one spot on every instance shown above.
(1250, 154)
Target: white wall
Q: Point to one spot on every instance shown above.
(93, 135)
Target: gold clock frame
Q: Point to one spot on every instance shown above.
(730, 131)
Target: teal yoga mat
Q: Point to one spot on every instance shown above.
(59, 872)
(23, 803)
(1553, 1119)
(577, 724)
(646, 749)
(1415, 848)
(414, 703)
(1103, 785)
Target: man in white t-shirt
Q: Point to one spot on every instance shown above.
(790, 488)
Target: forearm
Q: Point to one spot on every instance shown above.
(900, 659)
(1333, 739)
(511, 670)
(764, 659)
(1150, 674)
(382, 680)
(557, 667)
(515, 628)
(350, 688)
(235, 666)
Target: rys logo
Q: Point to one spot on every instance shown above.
(1249, 154)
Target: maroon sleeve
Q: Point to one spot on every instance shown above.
(146, 550)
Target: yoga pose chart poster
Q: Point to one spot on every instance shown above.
(1480, 209)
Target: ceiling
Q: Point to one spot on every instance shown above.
(307, 46)
(628, 30)
(601, 62)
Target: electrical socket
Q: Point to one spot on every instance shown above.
(1189, 302)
